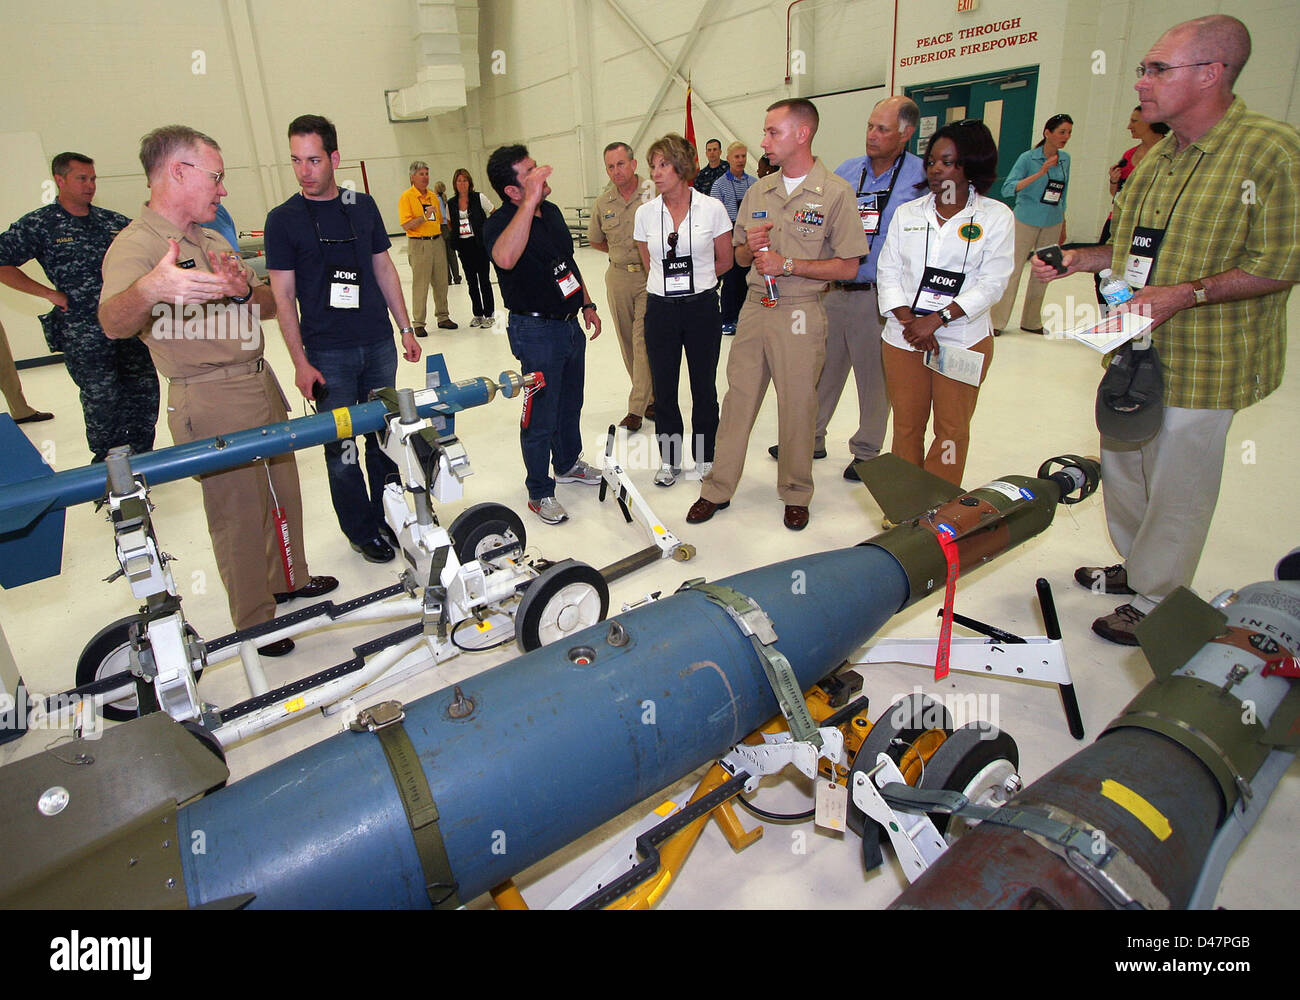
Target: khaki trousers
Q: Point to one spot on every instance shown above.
(915, 390)
(238, 502)
(853, 341)
(10, 385)
(627, 299)
(786, 346)
(428, 259)
(1160, 497)
(1028, 239)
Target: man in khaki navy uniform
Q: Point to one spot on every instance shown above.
(801, 227)
(163, 275)
(610, 230)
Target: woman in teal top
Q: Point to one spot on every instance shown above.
(1038, 182)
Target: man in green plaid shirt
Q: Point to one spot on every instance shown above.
(1206, 228)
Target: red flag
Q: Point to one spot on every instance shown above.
(690, 125)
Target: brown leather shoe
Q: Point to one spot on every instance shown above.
(282, 647)
(35, 418)
(317, 586)
(703, 509)
(650, 412)
(796, 518)
(632, 422)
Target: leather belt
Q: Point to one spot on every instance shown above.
(626, 267)
(854, 286)
(219, 374)
(551, 316)
(438, 237)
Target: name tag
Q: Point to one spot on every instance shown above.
(565, 278)
(938, 288)
(679, 276)
(1142, 255)
(869, 213)
(1053, 193)
(345, 290)
(466, 230)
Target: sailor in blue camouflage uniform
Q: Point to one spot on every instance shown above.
(68, 238)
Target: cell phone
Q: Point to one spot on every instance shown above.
(319, 392)
(1052, 255)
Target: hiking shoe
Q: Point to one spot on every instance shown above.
(581, 473)
(549, 510)
(1118, 626)
(1104, 579)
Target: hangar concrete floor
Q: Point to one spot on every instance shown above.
(1036, 403)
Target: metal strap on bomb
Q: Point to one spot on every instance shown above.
(385, 721)
(755, 623)
(1115, 875)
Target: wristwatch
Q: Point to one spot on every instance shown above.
(787, 266)
(239, 300)
(589, 305)
(406, 329)
(1199, 293)
(945, 317)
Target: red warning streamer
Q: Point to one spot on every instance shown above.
(949, 546)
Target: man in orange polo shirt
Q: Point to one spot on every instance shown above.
(420, 216)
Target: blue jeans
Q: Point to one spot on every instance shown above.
(557, 349)
(350, 373)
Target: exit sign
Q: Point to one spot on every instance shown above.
(967, 5)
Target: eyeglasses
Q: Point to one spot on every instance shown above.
(1157, 70)
(216, 175)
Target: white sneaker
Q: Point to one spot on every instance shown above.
(581, 473)
(703, 468)
(475, 323)
(666, 475)
(549, 510)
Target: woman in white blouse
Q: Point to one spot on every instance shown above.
(685, 243)
(945, 263)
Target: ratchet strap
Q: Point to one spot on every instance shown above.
(1115, 875)
(754, 623)
(385, 721)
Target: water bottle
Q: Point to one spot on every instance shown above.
(1114, 290)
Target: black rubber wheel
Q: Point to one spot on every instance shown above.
(484, 527)
(904, 721)
(567, 598)
(206, 737)
(970, 761)
(109, 653)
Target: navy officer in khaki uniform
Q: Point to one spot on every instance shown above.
(800, 229)
(610, 230)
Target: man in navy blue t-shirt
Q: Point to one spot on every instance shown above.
(327, 250)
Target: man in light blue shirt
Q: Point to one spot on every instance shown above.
(730, 189)
(886, 177)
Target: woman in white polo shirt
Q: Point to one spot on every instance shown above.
(946, 261)
(685, 243)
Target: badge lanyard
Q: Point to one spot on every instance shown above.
(888, 192)
(926, 267)
(343, 293)
(1170, 215)
(684, 278)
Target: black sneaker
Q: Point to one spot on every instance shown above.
(388, 535)
(376, 550)
(1104, 579)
